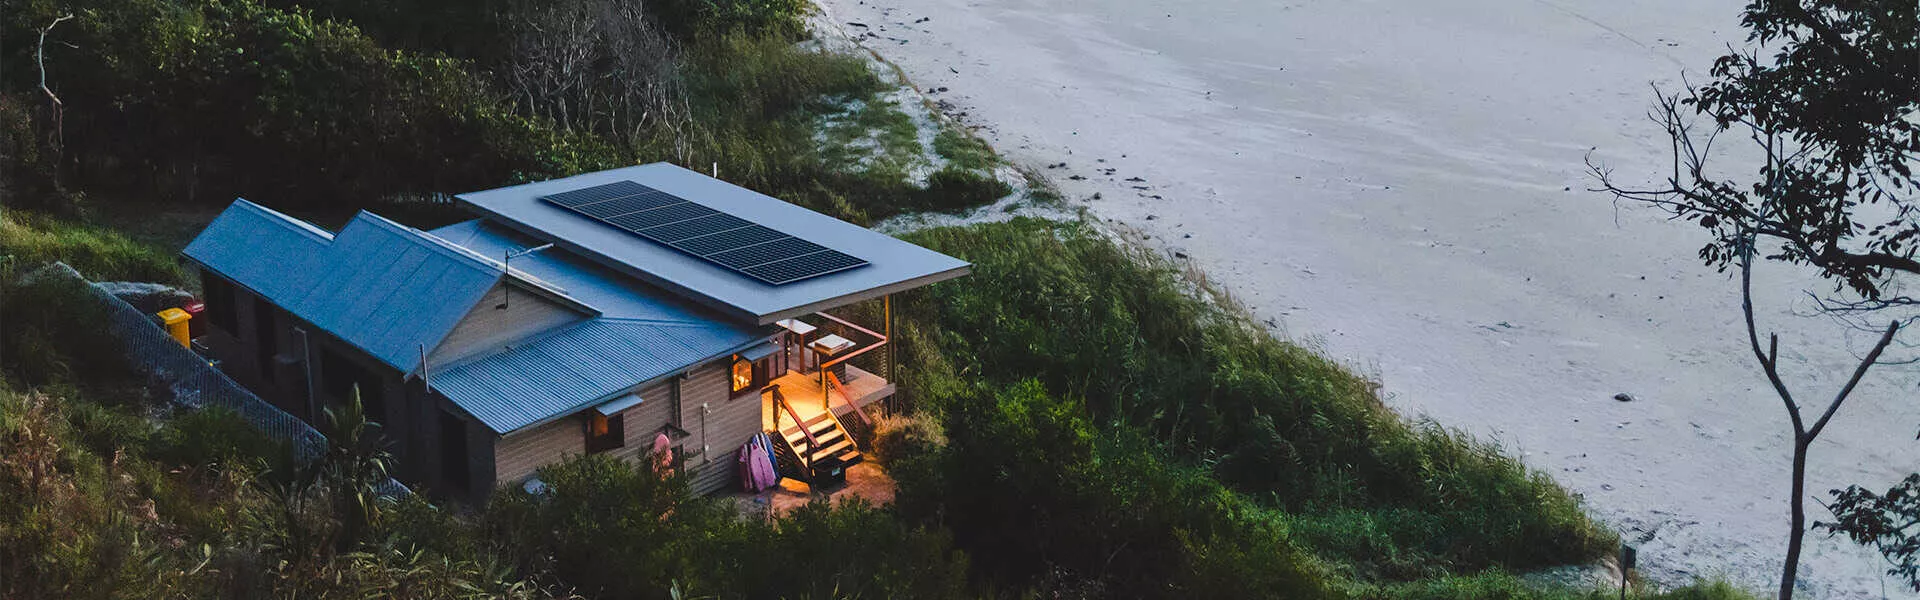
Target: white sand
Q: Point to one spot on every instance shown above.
(1388, 177)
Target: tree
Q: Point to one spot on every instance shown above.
(600, 66)
(1835, 112)
(1889, 522)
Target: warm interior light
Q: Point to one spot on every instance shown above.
(742, 374)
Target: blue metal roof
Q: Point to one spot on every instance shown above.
(894, 265)
(386, 288)
(576, 367)
(642, 334)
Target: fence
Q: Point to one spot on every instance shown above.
(194, 383)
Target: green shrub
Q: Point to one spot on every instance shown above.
(610, 528)
(171, 100)
(692, 18)
(1495, 585)
(53, 332)
(953, 190)
(1040, 497)
(1060, 304)
(217, 437)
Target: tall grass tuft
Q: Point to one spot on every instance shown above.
(28, 240)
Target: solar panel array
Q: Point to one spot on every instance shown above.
(731, 242)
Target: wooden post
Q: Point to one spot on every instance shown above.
(886, 307)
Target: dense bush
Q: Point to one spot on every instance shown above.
(87, 511)
(1039, 496)
(42, 341)
(609, 528)
(1089, 320)
(205, 101)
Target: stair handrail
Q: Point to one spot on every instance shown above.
(813, 445)
(834, 381)
(844, 432)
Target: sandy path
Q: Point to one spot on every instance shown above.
(1401, 181)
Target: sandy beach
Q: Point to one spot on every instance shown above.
(1401, 182)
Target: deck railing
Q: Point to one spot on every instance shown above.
(861, 429)
(868, 345)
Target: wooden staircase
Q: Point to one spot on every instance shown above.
(818, 438)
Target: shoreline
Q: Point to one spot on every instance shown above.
(1344, 229)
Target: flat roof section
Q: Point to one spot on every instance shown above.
(893, 265)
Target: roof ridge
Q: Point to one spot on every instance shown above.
(468, 257)
(297, 225)
(474, 259)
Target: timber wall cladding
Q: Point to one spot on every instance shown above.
(487, 326)
(717, 429)
(725, 424)
(517, 456)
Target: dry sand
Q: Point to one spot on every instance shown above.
(1401, 182)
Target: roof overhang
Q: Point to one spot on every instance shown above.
(893, 265)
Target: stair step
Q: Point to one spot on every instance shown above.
(827, 438)
(827, 444)
(796, 439)
(817, 420)
(834, 448)
(852, 457)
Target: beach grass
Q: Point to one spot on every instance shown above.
(1122, 337)
(964, 150)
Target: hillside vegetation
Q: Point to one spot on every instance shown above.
(1088, 423)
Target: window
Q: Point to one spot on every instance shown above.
(605, 432)
(742, 375)
(219, 301)
(453, 451)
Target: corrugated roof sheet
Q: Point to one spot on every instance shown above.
(573, 368)
(389, 289)
(643, 334)
(384, 287)
(893, 264)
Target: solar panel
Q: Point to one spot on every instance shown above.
(804, 266)
(629, 204)
(598, 193)
(760, 254)
(726, 240)
(671, 213)
(707, 225)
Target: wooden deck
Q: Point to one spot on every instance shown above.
(804, 393)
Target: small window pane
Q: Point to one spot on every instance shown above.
(742, 374)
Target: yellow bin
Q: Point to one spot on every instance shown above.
(176, 322)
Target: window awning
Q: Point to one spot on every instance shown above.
(759, 352)
(616, 405)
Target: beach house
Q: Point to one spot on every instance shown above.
(601, 313)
